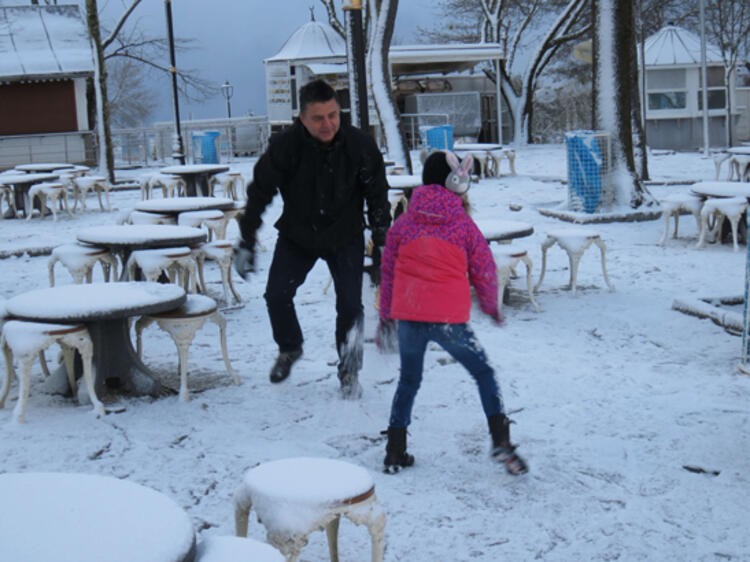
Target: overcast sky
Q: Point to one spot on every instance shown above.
(232, 37)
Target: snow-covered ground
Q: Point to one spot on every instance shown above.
(614, 393)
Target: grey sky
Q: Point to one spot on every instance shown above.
(232, 37)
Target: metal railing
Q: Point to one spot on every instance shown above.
(415, 125)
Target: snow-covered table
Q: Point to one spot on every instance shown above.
(294, 497)
(122, 239)
(43, 167)
(104, 308)
(706, 189)
(21, 183)
(177, 205)
(89, 518)
(497, 230)
(196, 176)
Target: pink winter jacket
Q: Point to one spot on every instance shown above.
(428, 252)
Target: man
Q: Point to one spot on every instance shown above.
(325, 173)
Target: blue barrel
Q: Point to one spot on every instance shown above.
(209, 147)
(440, 138)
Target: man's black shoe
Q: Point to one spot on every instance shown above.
(283, 365)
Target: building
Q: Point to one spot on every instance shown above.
(673, 91)
(46, 63)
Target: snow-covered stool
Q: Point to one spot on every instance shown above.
(497, 156)
(79, 260)
(84, 184)
(178, 263)
(506, 261)
(673, 205)
(294, 497)
(182, 324)
(143, 217)
(171, 186)
(231, 183)
(719, 159)
(6, 194)
(718, 208)
(54, 192)
(739, 165)
(236, 549)
(24, 341)
(212, 220)
(222, 252)
(575, 241)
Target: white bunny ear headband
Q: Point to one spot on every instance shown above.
(460, 177)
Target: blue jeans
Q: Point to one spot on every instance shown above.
(461, 343)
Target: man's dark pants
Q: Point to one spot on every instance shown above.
(289, 268)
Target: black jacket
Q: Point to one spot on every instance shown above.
(324, 189)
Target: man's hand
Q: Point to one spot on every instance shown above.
(244, 261)
(386, 336)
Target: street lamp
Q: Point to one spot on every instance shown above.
(227, 89)
(178, 151)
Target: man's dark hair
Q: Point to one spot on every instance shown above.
(317, 91)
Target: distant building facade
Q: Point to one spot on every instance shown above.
(46, 65)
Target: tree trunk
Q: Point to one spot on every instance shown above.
(383, 18)
(106, 158)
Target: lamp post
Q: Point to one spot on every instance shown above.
(178, 151)
(356, 61)
(227, 89)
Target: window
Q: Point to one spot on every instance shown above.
(717, 97)
(667, 100)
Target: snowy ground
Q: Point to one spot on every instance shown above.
(613, 394)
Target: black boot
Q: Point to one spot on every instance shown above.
(283, 366)
(502, 449)
(396, 456)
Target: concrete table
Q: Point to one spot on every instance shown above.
(90, 518)
(196, 176)
(104, 308)
(43, 167)
(177, 205)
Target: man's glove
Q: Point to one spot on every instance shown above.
(244, 261)
(374, 268)
(386, 336)
(378, 236)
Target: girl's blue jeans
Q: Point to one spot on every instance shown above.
(461, 343)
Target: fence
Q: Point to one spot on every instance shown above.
(239, 136)
(75, 148)
(416, 124)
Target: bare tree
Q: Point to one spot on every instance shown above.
(511, 23)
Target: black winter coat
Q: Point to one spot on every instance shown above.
(324, 189)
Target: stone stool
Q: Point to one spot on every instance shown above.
(54, 191)
(79, 260)
(179, 263)
(222, 252)
(506, 261)
(575, 241)
(294, 497)
(673, 205)
(24, 341)
(171, 186)
(236, 549)
(718, 208)
(231, 183)
(84, 184)
(739, 164)
(6, 194)
(182, 324)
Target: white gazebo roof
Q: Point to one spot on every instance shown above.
(43, 41)
(313, 40)
(421, 59)
(675, 46)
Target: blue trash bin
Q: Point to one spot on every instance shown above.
(440, 138)
(586, 169)
(209, 147)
